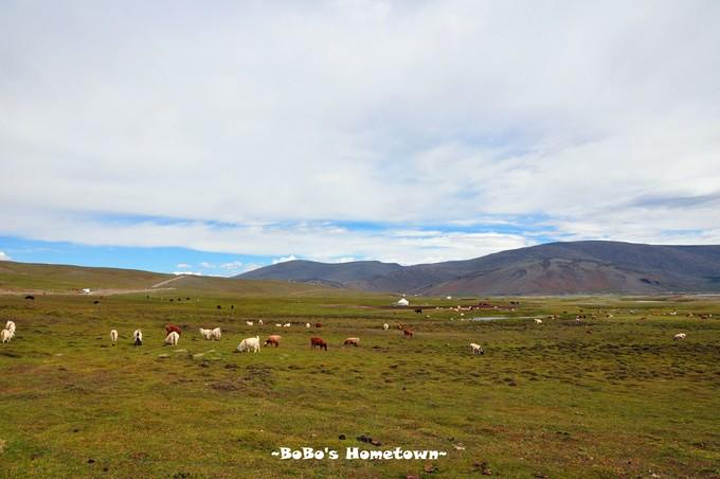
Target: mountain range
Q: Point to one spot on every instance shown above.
(582, 267)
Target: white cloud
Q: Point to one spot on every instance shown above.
(255, 117)
(207, 265)
(183, 265)
(4, 257)
(284, 259)
(233, 265)
(189, 273)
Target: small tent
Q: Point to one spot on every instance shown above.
(403, 302)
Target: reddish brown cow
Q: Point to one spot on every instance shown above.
(408, 333)
(273, 340)
(169, 328)
(315, 341)
(318, 325)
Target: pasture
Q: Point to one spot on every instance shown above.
(604, 397)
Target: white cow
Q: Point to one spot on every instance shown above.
(10, 326)
(137, 337)
(286, 325)
(249, 344)
(206, 333)
(679, 336)
(249, 323)
(113, 336)
(6, 336)
(217, 334)
(307, 325)
(386, 326)
(476, 349)
(538, 321)
(172, 338)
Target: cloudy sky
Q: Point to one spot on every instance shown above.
(215, 137)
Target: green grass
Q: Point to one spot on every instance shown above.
(603, 398)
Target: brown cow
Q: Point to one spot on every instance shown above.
(319, 342)
(408, 333)
(169, 328)
(273, 340)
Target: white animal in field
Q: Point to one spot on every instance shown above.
(172, 338)
(679, 336)
(278, 325)
(249, 323)
(113, 336)
(307, 325)
(10, 326)
(476, 349)
(286, 325)
(137, 337)
(538, 321)
(249, 344)
(217, 334)
(260, 322)
(386, 326)
(206, 333)
(6, 336)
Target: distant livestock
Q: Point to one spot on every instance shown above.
(137, 337)
(113, 336)
(538, 321)
(6, 336)
(273, 340)
(169, 328)
(10, 326)
(307, 325)
(418, 310)
(249, 323)
(286, 325)
(206, 333)
(386, 326)
(172, 338)
(319, 342)
(352, 342)
(408, 333)
(679, 336)
(217, 334)
(318, 325)
(476, 349)
(30, 297)
(249, 344)
(278, 325)
(260, 322)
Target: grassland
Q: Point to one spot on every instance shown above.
(601, 398)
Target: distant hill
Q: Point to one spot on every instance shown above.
(49, 278)
(592, 267)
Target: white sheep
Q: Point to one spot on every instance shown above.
(278, 325)
(137, 337)
(206, 333)
(10, 326)
(217, 334)
(476, 349)
(286, 325)
(307, 325)
(6, 335)
(538, 321)
(260, 322)
(679, 336)
(386, 326)
(172, 338)
(113, 336)
(249, 323)
(249, 344)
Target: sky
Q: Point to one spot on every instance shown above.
(218, 137)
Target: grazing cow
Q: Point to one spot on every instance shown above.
(679, 336)
(30, 297)
(273, 340)
(217, 334)
(538, 321)
(169, 328)
(172, 338)
(418, 310)
(10, 326)
(408, 333)
(137, 337)
(96, 302)
(249, 323)
(352, 342)
(386, 326)
(113, 336)
(318, 325)
(278, 325)
(249, 344)
(286, 325)
(476, 349)
(6, 336)
(206, 333)
(219, 307)
(319, 342)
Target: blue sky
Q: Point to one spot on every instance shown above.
(229, 136)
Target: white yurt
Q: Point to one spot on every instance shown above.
(403, 302)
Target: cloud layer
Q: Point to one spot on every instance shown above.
(263, 129)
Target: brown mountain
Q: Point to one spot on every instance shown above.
(590, 267)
